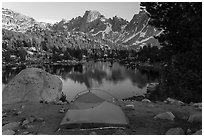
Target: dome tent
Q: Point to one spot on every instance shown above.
(88, 111)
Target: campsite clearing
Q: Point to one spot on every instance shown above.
(141, 118)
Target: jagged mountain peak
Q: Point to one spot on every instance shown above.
(92, 15)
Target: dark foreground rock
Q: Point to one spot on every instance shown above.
(175, 131)
(195, 118)
(199, 132)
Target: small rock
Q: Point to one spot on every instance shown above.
(166, 116)
(188, 131)
(175, 131)
(174, 101)
(62, 110)
(146, 100)
(129, 107)
(11, 126)
(180, 103)
(60, 103)
(8, 132)
(40, 119)
(165, 101)
(4, 114)
(120, 132)
(25, 122)
(44, 101)
(197, 104)
(170, 100)
(93, 133)
(25, 133)
(199, 132)
(195, 118)
(22, 107)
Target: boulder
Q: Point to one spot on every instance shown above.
(175, 131)
(180, 103)
(188, 131)
(28, 120)
(195, 118)
(197, 104)
(146, 100)
(11, 126)
(8, 132)
(165, 101)
(165, 116)
(199, 132)
(170, 100)
(174, 101)
(129, 107)
(25, 122)
(32, 84)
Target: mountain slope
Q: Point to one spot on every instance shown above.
(92, 26)
(17, 22)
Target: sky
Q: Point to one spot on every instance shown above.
(56, 11)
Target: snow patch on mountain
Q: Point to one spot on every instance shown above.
(139, 32)
(106, 31)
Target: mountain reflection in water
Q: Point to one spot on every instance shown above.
(112, 77)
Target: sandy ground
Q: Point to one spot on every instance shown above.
(141, 118)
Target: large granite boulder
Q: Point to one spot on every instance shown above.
(32, 84)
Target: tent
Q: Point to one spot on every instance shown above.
(88, 110)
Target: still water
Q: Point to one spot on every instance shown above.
(112, 77)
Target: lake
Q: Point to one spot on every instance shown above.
(113, 77)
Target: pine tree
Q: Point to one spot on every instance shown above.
(181, 39)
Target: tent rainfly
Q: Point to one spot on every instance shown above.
(88, 111)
